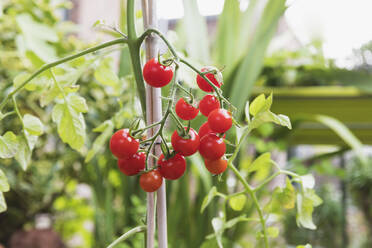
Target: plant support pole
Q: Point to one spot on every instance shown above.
(153, 115)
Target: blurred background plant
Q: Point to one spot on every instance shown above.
(90, 203)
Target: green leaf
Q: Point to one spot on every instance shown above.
(8, 145)
(282, 198)
(2, 203)
(272, 232)
(288, 195)
(306, 201)
(237, 202)
(100, 142)
(232, 222)
(78, 103)
(105, 75)
(208, 198)
(70, 123)
(26, 144)
(218, 227)
(257, 105)
(4, 186)
(308, 181)
(268, 116)
(263, 160)
(33, 125)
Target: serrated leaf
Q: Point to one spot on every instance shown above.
(4, 186)
(2, 203)
(23, 155)
(218, 227)
(272, 232)
(33, 125)
(262, 161)
(208, 198)
(304, 212)
(268, 116)
(257, 105)
(237, 202)
(288, 196)
(105, 75)
(99, 142)
(8, 145)
(78, 103)
(70, 124)
(282, 198)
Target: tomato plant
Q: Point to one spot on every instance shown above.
(134, 149)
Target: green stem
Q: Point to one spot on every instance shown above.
(57, 62)
(126, 235)
(161, 36)
(252, 194)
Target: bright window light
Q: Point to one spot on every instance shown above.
(343, 25)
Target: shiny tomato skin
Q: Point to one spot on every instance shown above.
(208, 104)
(215, 79)
(122, 145)
(188, 146)
(220, 120)
(205, 129)
(156, 74)
(216, 166)
(151, 181)
(212, 147)
(186, 111)
(172, 168)
(132, 165)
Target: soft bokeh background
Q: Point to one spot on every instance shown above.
(315, 56)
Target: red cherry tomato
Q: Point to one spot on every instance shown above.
(208, 104)
(156, 74)
(216, 166)
(132, 165)
(151, 181)
(220, 120)
(187, 146)
(122, 145)
(216, 79)
(185, 110)
(212, 147)
(172, 168)
(205, 129)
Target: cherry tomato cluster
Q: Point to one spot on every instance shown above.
(209, 141)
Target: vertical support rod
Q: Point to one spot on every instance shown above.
(154, 114)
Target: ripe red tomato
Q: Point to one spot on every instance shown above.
(208, 104)
(151, 181)
(156, 74)
(212, 147)
(205, 129)
(187, 146)
(216, 166)
(220, 120)
(122, 145)
(216, 79)
(185, 110)
(132, 165)
(172, 168)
